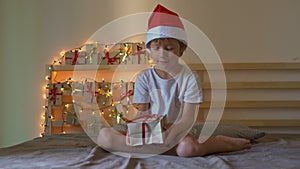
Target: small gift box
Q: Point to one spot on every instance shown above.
(126, 93)
(89, 92)
(92, 53)
(111, 56)
(93, 123)
(67, 88)
(104, 94)
(81, 58)
(55, 94)
(125, 53)
(139, 54)
(147, 129)
(71, 57)
(77, 89)
(104, 100)
(71, 118)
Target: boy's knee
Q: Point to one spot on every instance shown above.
(188, 147)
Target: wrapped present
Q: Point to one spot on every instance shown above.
(81, 60)
(93, 123)
(89, 92)
(104, 97)
(125, 53)
(147, 129)
(111, 56)
(92, 53)
(139, 54)
(71, 118)
(67, 88)
(104, 100)
(71, 57)
(127, 93)
(77, 88)
(55, 94)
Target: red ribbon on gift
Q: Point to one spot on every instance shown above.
(128, 92)
(90, 90)
(110, 61)
(139, 52)
(144, 124)
(74, 59)
(54, 93)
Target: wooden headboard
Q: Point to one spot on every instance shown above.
(258, 94)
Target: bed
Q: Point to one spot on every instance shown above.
(280, 151)
(276, 150)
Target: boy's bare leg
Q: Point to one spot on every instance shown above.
(190, 146)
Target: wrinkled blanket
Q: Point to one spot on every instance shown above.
(78, 151)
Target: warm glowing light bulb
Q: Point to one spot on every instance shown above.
(62, 53)
(46, 86)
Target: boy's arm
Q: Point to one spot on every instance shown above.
(143, 108)
(183, 125)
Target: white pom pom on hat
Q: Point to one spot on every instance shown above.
(164, 23)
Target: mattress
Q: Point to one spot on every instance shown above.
(274, 151)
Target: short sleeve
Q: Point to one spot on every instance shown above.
(193, 93)
(141, 92)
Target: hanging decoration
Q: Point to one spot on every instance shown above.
(92, 92)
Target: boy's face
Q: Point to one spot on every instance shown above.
(165, 52)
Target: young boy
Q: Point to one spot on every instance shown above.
(171, 89)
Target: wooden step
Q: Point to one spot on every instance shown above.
(254, 85)
(246, 66)
(265, 122)
(253, 104)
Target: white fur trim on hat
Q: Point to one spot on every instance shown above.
(166, 32)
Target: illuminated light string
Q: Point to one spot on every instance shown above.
(125, 51)
(67, 84)
(46, 116)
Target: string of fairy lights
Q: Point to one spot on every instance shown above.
(67, 108)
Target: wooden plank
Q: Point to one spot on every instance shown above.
(247, 66)
(255, 85)
(265, 122)
(254, 104)
(226, 66)
(99, 67)
(68, 129)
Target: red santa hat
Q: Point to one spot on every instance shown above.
(164, 23)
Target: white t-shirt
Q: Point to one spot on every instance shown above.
(166, 96)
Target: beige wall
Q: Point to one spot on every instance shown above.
(33, 30)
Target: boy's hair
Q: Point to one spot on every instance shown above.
(182, 45)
